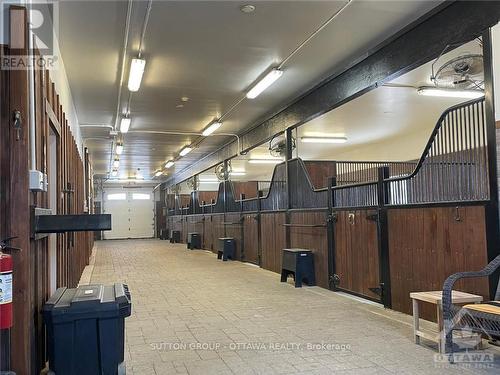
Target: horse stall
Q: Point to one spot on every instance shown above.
(378, 229)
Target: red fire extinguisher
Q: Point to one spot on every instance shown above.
(5, 290)
(5, 303)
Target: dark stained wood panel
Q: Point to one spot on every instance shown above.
(214, 229)
(207, 196)
(273, 240)
(426, 245)
(251, 238)
(195, 224)
(234, 228)
(319, 172)
(356, 252)
(248, 188)
(312, 238)
(31, 265)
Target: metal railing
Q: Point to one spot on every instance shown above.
(454, 164)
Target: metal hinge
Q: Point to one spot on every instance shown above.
(378, 290)
(334, 281)
(332, 218)
(373, 217)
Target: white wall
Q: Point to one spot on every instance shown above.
(495, 34)
(4, 20)
(58, 76)
(61, 82)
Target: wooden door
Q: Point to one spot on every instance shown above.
(251, 238)
(356, 253)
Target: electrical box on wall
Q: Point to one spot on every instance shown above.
(38, 181)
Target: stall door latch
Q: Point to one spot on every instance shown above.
(16, 117)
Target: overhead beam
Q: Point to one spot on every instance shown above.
(419, 43)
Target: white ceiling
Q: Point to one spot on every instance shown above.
(390, 123)
(210, 52)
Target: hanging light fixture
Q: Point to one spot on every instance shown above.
(211, 128)
(450, 93)
(137, 67)
(264, 83)
(125, 124)
(119, 148)
(186, 150)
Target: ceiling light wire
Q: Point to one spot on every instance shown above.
(123, 59)
(316, 32)
(122, 74)
(144, 27)
(283, 62)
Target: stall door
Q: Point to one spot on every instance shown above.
(356, 253)
(132, 213)
(251, 238)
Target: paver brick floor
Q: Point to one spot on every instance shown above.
(195, 315)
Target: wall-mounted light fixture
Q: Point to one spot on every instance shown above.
(324, 139)
(265, 161)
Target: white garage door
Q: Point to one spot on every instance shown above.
(132, 213)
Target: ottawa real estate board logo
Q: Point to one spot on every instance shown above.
(33, 45)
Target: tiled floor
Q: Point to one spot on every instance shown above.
(193, 314)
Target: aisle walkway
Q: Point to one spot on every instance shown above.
(193, 315)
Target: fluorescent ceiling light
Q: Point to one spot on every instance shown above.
(186, 150)
(324, 139)
(125, 124)
(264, 83)
(211, 128)
(119, 148)
(136, 71)
(169, 164)
(158, 173)
(450, 93)
(237, 173)
(116, 163)
(265, 161)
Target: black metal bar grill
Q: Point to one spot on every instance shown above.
(454, 164)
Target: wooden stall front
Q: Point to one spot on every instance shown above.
(378, 230)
